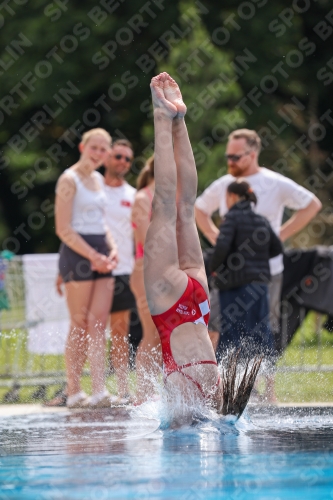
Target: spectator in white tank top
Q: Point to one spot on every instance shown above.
(119, 202)
(88, 255)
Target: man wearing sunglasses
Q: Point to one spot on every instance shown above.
(120, 198)
(274, 192)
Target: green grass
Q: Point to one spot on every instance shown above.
(307, 347)
(304, 387)
(14, 355)
(27, 392)
(310, 348)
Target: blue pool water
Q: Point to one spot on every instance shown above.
(270, 454)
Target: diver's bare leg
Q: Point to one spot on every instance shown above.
(164, 282)
(189, 248)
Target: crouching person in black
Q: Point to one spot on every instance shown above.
(240, 264)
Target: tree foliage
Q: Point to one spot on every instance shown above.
(67, 67)
(282, 50)
(207, 82)
(70, 66)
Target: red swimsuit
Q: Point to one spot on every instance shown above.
(192, 307)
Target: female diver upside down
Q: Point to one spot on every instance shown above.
(174, 272)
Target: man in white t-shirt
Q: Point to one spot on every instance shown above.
(274, 192)
(120, 198)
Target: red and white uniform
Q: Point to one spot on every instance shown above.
(191, 307)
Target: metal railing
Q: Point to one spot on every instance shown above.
(317, 349)
(18, 365)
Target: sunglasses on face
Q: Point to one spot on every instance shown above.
(236, 157)
(126, 158)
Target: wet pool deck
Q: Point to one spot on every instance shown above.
(29, 409)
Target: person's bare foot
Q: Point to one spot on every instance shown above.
(158, 97)
(173, 94)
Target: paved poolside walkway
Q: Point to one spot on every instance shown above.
(28, 409)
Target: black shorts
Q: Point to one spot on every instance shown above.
(123, 298)
(74, 267)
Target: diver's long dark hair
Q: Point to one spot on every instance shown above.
(237, 382)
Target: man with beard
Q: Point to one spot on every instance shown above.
(274, 192)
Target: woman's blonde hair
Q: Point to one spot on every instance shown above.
(146, 175)
(96, 131)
